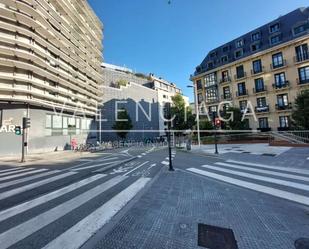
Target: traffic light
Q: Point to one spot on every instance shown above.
(17, 130)
(217, 122)
(26, 123)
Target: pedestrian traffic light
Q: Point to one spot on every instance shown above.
(26, 123)
(17, 130)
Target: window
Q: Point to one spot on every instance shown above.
(300, 29)
(280, 80)
(212, 110)
(256, 36)
(302, 52)
(242, 89)
(259, 85)
(243, 105)
(303, 74)
(226, 49)
(261, 102)
(263, 123)
(48, 121)
(239, 43)
(211, 95)
(211, 79)
(210, 65)
(275, 39)
(226, 92)
(199, 84)
(278, 60)
(284, 121)
(224, 59)
(255, 47)
(274, 28)
(238, 53)
(225, 76)
(57, 122)
(200, 98)
(282, 100)
(240, 73)
(257, 66)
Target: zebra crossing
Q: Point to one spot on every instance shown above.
(94, 198)
(284, 182)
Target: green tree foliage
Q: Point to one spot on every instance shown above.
(206, 125)
(122, 128)
(236, 122)
(300, 114)
(121, 83)
(184, 119)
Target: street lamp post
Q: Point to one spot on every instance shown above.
(197, 113)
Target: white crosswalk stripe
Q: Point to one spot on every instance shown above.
(74, 196)
(11, 172)
(84, 229)
(287, 183)
(95, 166)
(22, 189)
(29, 227)
(26, 179)
(45, 198)
(11, 169)
(256, 187)
(22, 174)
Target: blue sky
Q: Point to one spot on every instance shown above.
(170, 40)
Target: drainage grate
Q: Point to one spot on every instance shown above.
(216, 237)
(302, 243)
(268, 154)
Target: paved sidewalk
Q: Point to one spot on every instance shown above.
(167, 216)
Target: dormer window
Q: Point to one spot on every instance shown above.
(213, 54)
(238, 53)
(224, 59)
(226, 49)
(239, 43)
(301, 28)
(274, 28)
(275, 39)
(256, 36)
(210, 65)
(255, 47)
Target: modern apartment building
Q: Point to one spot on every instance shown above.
(264, 69)
(50, 71)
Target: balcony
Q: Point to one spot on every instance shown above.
(284, 107)
(260, 90)
(226, 97)
(266, 129)
(211, 101)
(225, 80)
(274, 67)
(302, 57)
(262, 109)
(302, 81)
(243, 93)
(281, 85)
(262, 70)
(240, 76)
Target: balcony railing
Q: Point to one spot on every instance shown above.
(240, 76)
(262, 70)
(243, 93)
(283, 107)
(260, 90)
(225, 80)
(301, 57)
(281, 85)
(283, 64)
(226, 97)
(210, 101)
(302, 81)
(262, 109)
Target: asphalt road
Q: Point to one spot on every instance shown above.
(64, 205)
(50, 206)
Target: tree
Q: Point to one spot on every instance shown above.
(123, 124)
(300, 115)
(184, 119)
(206, 125)
(236, 122)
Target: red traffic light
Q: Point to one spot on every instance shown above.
(217, 122)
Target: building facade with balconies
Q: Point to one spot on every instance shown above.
(267, 67)
(50, 71)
